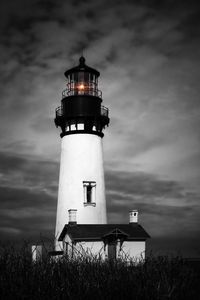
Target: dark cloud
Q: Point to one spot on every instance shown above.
(29, 173)
(25, 214)
(142, 184)
(28, 196)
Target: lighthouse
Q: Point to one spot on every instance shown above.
(82, 119)
(81, 221)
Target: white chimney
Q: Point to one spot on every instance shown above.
(72, 216)
(133, 216)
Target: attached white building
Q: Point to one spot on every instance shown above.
(112, 241)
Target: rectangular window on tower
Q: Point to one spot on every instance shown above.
(89, 189)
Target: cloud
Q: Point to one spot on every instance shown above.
(139, 183)
(29, 173)
(25, 214)
(28, 196)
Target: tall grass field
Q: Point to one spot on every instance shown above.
(91, 278)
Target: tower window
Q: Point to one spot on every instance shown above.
(89, 193)
(89, 188)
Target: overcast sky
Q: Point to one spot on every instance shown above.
(148, 55)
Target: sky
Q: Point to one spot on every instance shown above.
(148, 54)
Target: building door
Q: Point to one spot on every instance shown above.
(112, 250)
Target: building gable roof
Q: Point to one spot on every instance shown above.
(80, 232)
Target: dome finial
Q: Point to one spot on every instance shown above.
(82, 61)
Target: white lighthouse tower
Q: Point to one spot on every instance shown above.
(82, 118)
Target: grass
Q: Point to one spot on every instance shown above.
(90, 278)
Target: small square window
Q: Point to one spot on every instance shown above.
(89, 188)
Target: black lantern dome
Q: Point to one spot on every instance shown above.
(81, 110)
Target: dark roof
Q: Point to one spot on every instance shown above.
(82, 67)
(132, 231)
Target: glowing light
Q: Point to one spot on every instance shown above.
(81, 87)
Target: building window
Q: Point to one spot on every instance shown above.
(89, 188)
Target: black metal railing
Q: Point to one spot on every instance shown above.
(59, 111)
(104, 111)
(86, 91)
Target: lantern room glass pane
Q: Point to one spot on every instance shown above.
(80, 76)
(82, 83)
(86, 77)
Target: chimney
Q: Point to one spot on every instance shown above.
(133, 216)
(72, 216)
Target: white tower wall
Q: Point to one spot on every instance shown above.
(81, 161)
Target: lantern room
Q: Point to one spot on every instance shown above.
(81, 110)
(82, 80)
